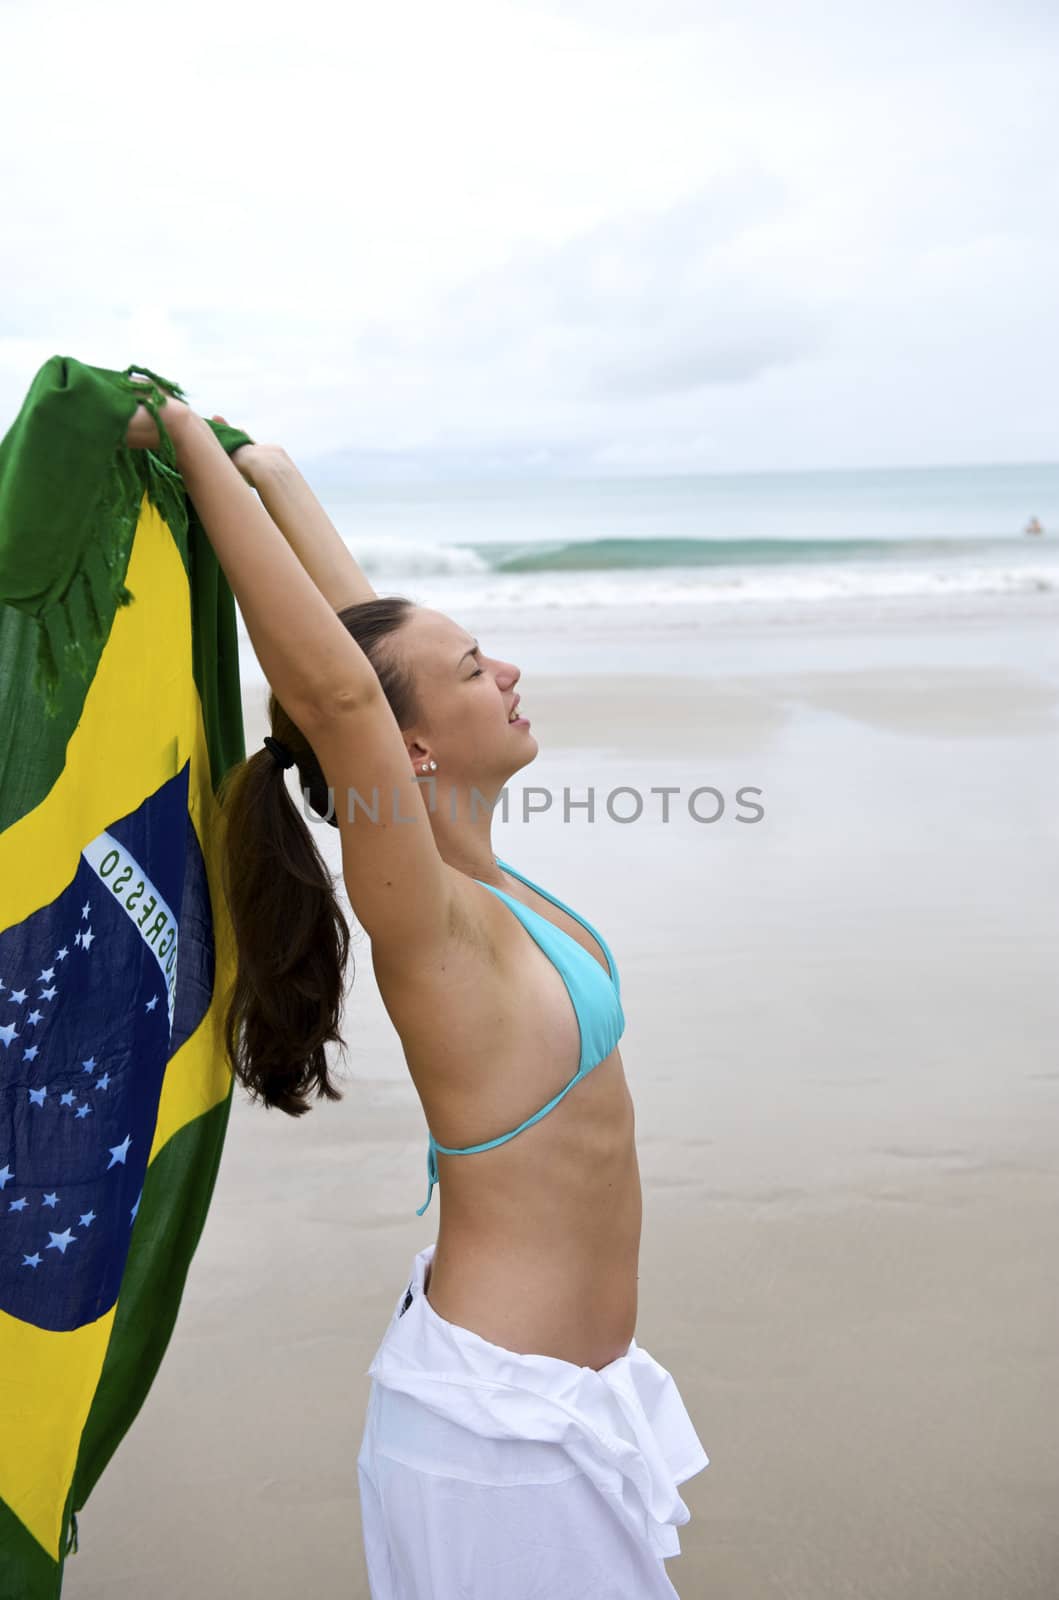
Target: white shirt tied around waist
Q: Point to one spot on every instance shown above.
(625, 1427)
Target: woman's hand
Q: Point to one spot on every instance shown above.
(142, 434)
(252, 458)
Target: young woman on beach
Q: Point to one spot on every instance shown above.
(518, 1442)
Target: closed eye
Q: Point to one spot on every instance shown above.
(477, 673)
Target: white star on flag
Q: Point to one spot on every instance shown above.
(118, 1152)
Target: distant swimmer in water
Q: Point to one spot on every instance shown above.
(1033, 526)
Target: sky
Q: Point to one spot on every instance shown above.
(534, 237)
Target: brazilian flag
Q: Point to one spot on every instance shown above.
(120, 715)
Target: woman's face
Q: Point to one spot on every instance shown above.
(465, 698)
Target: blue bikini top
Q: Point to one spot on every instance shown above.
(596, 999)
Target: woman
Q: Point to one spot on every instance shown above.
(518, 1442)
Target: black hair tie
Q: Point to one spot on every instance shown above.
(279, 752)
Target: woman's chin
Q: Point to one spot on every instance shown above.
(529, 751)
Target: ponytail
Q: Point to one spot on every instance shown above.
(292, 939)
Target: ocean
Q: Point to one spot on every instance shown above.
(797, 538)
(632, 573)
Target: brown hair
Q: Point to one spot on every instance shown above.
(292, 940)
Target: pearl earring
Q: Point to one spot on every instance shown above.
(433, 766)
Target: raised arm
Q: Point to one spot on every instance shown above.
(305, 653)
(399, 887)
(303, 522)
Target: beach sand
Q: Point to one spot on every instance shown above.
(842, 1046)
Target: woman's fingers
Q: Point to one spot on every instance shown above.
(216, 418)
(141, 433)
(142, 430)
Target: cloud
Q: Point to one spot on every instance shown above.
(657, 302)
(733, 235)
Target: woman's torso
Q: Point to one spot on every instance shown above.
(538, 1239)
